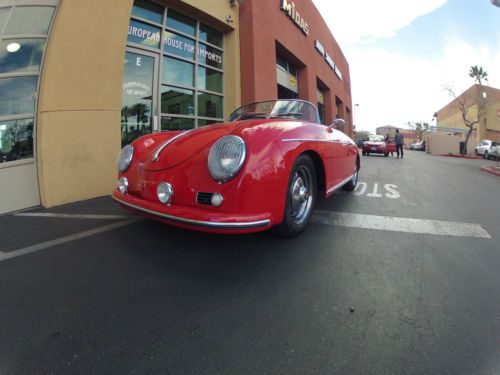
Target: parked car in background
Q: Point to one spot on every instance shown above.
(263, 169)
(418, 146)
(360, 142)
(484, 148)
(493, 152)
(377, 144)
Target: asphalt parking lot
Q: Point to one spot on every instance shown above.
(398, 277)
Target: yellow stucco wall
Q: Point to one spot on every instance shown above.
(456, 121)
(78, 131)
(80, 98)
(450, 116)
(493, 116)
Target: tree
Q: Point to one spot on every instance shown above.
(478, 74)
(420, 128)
(464, 103)
(362, 135)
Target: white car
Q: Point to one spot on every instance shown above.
(419, 146)
(487, 148)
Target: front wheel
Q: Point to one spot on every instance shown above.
(300, 198)
(351, 185)
(477, 153)
(486, 156)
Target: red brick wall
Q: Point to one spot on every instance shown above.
(263, 26)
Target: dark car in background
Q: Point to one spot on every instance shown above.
(360, 142)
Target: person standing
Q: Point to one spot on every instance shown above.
(387, 140)
(399, 143)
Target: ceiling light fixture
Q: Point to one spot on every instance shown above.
(13, 47)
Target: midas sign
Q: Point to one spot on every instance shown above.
(289, 8)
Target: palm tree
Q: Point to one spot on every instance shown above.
(478, 73)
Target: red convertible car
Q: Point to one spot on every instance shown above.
(377, 144)
(263, 169)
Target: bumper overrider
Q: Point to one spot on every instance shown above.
(194, 218)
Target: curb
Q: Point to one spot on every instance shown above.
(462, 156)
(495, 171)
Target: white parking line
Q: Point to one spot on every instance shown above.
(73, 216)
(400, 224)
(59, 241)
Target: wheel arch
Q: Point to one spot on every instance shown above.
(319, 169)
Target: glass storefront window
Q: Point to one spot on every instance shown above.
(4, 12)
(188, 77)
(179, 45)
(137, 97)
(209, 79)
(16, 140)
(178, 72)
(203, 122)
(209, 105)
(281, 61)
(21, 59)
(147, 10)
(321, 100)
(17, 95)
(144, 34)
(210, 35)
(29, 20)
(21, 55)
(210, 56)
(179, 22)
(176, 123)
(177, 101)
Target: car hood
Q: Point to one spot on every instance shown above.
(176, 150)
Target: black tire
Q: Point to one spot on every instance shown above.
(300, 198)
(477, 153)
(486, 156)
(364, 153)
(351, 185)
(386, 154)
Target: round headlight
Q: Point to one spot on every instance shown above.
(125, 158)
(164, 192)
(226, 158)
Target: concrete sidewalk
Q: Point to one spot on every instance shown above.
(491, 169)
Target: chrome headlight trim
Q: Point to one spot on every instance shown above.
(226, 158)
(125, 158)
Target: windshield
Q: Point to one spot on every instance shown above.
(376, 138)
(274, 109)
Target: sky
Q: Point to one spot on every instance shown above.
(402, 53)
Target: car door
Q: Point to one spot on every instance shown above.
(343, 157)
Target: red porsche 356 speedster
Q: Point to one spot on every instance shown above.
(263, 169)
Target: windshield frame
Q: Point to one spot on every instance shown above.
(295, 110)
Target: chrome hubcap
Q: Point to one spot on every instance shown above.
(355, 176)
(301, 195)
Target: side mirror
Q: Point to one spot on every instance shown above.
(338, 123)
